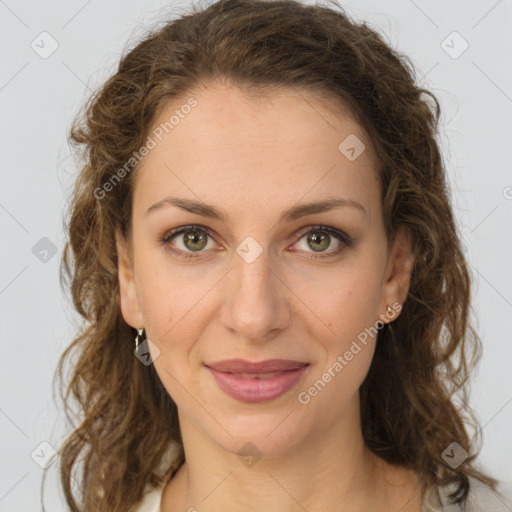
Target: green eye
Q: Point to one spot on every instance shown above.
(194, 239)
(321, 241)
(319, 238)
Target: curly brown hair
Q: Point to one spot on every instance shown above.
(421, 365)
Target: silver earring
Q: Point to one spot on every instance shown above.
(140, 337)
(390, 309)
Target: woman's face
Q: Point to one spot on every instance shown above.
(256, 275)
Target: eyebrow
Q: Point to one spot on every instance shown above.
(289, 215)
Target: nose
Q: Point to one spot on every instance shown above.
(257, 306)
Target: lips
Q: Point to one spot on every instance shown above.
(257, 381)
(262, 367)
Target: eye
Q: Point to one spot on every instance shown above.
(319, 238)
(194, 239)
(188, 238)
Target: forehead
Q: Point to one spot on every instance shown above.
(284, 144)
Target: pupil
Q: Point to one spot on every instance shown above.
(315, 239)
(193, 237)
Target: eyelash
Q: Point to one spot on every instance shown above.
(343, 238)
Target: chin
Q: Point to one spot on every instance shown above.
(268, 434)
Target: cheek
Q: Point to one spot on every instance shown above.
(334, 388)
(344, 299)
(346, 352)
(172, 297)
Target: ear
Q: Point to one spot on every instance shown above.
(397, 278)
(130, 306)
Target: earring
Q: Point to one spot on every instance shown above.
(390, 309)
(140, 337)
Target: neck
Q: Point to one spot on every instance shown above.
(329, 471)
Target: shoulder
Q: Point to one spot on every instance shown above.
(151, 500)
(481, 498)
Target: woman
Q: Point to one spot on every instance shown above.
(262, 246)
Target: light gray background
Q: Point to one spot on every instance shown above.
(39, 97)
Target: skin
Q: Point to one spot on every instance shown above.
(253, 159)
